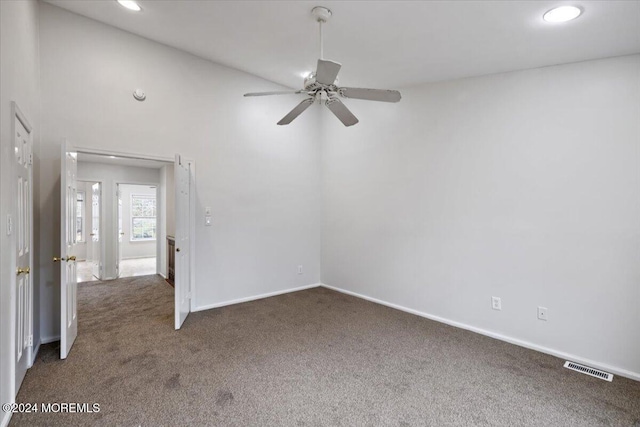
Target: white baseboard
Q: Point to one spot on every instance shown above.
(6, 417)
(255, 297)
(34, 354)
(498, 336)
(47, 340)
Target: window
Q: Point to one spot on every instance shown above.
(80, 217)
(143, 217)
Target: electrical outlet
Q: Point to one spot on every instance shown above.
(543, 313)
(299, 269)
(496, 303)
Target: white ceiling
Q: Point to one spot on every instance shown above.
(121, 161)
(385, 44)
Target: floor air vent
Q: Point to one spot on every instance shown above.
(589, 371)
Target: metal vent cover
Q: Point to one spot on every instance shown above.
(589, 371)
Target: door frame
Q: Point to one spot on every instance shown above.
(159, 218)
(192, 231)
(16, 113)
(101, 222)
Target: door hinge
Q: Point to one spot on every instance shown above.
(9, 225)
(30, 159)
(30, 340)
(188, 295)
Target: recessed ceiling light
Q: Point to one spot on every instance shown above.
(112, 157)
(129, 4)
(562, 14)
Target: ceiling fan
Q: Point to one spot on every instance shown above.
(322, 85)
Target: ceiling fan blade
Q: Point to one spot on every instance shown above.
(282, 92)
(299, 109)
(371, 94)
(341, 112)
(327, 71)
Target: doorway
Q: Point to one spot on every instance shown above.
(88, 246)
(171, 180)
(137, 238)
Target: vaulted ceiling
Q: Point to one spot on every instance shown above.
(385, 44)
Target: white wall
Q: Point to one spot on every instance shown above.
(522, 185)
(261, 180)
(136, 249)
(109, 176)
(19, 82)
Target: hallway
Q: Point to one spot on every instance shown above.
(128, 268)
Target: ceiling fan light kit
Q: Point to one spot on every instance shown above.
(322, 85)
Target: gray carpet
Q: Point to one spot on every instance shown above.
(314, 357)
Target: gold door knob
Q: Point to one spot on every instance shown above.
(71, 258)
(56, 259)
(20, 270)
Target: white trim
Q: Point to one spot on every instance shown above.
(498, 336)
(255, 297)
(48, 340)
(34, 354)
(192, 233)
(129, 155)
(5, 419)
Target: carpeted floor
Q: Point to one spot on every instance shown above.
(314, 357)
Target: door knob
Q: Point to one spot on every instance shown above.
(177, 249)
(71, 258)
(56, 259)
(20, 270)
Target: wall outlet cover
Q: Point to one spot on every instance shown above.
(496, 303)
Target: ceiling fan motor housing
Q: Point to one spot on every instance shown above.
(310, 81)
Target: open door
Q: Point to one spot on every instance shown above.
(23, 244)
(120, 229)
(96, 255)
(68, 278)
(182, 174)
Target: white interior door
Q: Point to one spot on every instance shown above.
(68, 278)
(120, 229)
(183, 243)
(23, 149)
(96, 195)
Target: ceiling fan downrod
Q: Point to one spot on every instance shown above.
(322, 15)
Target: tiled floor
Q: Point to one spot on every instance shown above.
(84, 271)
(137, 267)
(128, 268)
